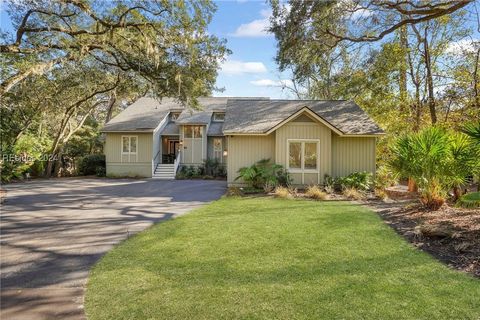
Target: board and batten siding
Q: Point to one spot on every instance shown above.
(210, 153)
(194, 150)
(118, 165)
(243, 151)
(305, 130)
(351, 154)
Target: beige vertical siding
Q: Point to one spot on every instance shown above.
(246, 150)
(352, 154)
(119, 165)
(305, 130)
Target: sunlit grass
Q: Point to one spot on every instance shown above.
(265, 258)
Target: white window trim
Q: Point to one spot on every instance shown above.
(302, 156)
(129, 153)
(193, 131)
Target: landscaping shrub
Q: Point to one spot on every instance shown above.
(268, 187)
(262, 172)
(385, 177)
(358, 180)
(352, 193)
(314, 192)
(282, 192)
(234, 191)
(212, 167)
(12, 170)
(329, 184)
(436, 160)
(100, 172)
(469, 200)
(90, 163)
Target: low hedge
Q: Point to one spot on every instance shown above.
(92, 164)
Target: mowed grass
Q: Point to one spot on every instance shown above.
(265, 258)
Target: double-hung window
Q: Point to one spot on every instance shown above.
(129, 147)
(303, 155)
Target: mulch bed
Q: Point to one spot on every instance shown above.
(450, 234)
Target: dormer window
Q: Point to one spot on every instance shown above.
(174, 116)
(219, 116)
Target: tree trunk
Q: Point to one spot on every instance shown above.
(429, 78)
(475, 80)
(403, 69)
(412, 186)
(58, 163)
(111, 106)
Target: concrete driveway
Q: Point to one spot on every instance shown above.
(53, 232)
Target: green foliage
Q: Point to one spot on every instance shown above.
(264, 172)
(92, 164)
(436, 159)
(213, 167)
(100, 171)
(190, 172)
(469, 200)
(385, 177)
(357, 180)
(472, 129)
(11, 170)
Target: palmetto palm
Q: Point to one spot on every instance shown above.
(435, 159)
(472, 129)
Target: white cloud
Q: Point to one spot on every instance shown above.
(272, 83)
(240, 67)
(462, 46)
(255, 28)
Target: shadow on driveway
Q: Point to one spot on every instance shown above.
(53, 231)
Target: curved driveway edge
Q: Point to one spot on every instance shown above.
(53, 231)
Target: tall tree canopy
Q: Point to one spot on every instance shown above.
(396, 58)
(71, 62)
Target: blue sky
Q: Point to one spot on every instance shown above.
(250, 70)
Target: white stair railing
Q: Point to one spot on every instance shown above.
(176, 163)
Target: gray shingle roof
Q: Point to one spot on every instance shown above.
(143, 115)
(215, 129)
(171, 129)
(260, 116)
(243, 115)
(204, 115)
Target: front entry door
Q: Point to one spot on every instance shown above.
(173, 146)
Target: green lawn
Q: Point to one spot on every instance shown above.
(276, 259)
